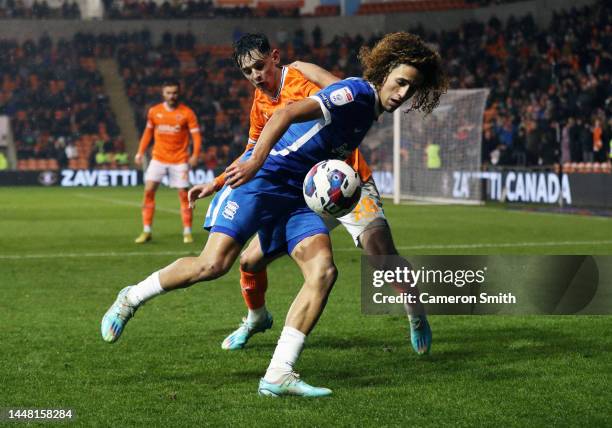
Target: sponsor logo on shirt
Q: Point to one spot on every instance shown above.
(169, 129)
(325, 100)
(230, 210)
(341, 96)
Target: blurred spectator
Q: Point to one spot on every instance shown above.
(54, 96)
(585, 140)
(39, 10)
(550, 96)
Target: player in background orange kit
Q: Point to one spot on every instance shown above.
(170, 123)
(275, 88)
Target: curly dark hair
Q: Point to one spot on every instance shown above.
(404, 48)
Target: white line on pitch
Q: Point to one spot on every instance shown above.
(410, 247)
(101, 254)
(126, 203)
(503, 245)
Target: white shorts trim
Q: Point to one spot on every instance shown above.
(368, 209)
(177, 173)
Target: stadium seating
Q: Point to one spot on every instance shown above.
(327, 10)
(55, 100)
(407, 6)
(548, 88)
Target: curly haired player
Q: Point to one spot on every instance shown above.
(263, 195)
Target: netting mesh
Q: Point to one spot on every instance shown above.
(432, 147)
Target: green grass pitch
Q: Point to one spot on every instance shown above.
(65, 253)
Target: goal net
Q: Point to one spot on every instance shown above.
(419, 157)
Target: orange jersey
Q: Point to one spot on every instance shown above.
(294, 87)
(171, 130)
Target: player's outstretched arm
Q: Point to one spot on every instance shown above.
(301, 111)
(317, 75)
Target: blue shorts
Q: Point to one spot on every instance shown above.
(268, 206)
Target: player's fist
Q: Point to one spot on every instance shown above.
(200, 191)
(193, 161)
(138, 159)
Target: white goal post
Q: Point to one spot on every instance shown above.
(415, 156)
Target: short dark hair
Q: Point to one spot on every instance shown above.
(249, 42)
(171, 82)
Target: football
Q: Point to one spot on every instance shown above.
(332, 187)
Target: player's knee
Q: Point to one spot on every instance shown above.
(251, 262)
(378, 242)
(210, 269)
(324, 277)
(330, 275)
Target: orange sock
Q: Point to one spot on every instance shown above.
(254, 286)
(148, 208)
(186, 212)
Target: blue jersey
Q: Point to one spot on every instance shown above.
(272, 203)
(349, 108)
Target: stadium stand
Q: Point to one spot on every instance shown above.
(270, 9)
(550, 89)
(54, 97)
(413, 6)
(39, 10)
(550, 99)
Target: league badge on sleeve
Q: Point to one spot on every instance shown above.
(341, 96)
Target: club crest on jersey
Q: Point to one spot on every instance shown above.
(341, 96)
(230, 210)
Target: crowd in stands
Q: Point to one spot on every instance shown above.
(550, 99)
(56, 101)
(191, 9)
(195, 9)
(551, 90)
(39, 10)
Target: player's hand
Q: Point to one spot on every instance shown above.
(200, 191)
(239, 173)
(138, 160)
(193, 161)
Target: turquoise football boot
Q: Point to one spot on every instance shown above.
(420, 334)
(116, 317)
(239, 338)
(292, 385)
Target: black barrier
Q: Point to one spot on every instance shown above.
(537, 187)
(591, 190)
(29, 178)
(575, 190)
(90, 178)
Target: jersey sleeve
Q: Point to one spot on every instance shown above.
(257, 123)
(347, 101)
(194, 130)
(310, 88)
(147, 135)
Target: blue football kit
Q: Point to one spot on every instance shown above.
(271, 203)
